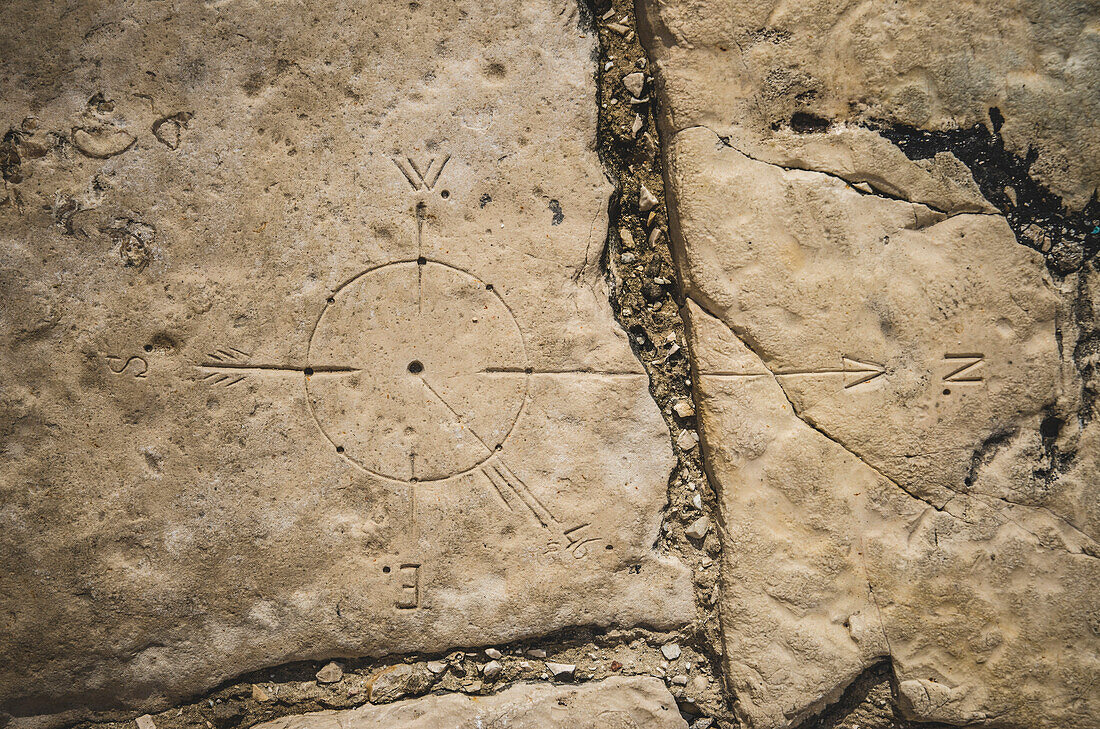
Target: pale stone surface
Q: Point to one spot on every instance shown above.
(613, 703)
(878, 360)
(305, 348)
(924, 63)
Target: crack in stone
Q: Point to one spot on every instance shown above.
(942, 508)
(876, 192)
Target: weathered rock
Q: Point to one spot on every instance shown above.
(491, 670)
(740, 68)
(698, 529)
(886, 376)
(330, 673)
(561, 670)
(610, 703)
(325, 393)
(398, 681)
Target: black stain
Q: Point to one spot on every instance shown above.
(555, 208)
(485, 200)
(1038, 217)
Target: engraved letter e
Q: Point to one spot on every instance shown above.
(409, 576)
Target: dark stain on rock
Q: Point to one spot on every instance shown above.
(555, 208)
(1038, 217)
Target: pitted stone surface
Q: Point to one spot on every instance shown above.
(749, 67)
(258, 401)
(613, 703)
(891, 392)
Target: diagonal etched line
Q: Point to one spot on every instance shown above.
(416, 169)
(516, 483)
(497, 488)
(433, 177)
(405, 172)
(454, 412)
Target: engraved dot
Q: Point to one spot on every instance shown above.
(610, 546)
(528, 370)
(488, 287)
(416, 367)
(308, 371)
(386, 570)
(445, 194)
(498, 446)
(331, 300)
(422, 261)
(946, 391)
(339, 449)
(148, 348)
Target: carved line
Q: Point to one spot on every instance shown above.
(529, 371)
(419, 180)
(373, 269)
(970, 362)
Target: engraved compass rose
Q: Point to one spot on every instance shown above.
(417, 372)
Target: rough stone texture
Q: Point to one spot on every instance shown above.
(614, 703)
(922, 63)
(254, 377)
(892, 399)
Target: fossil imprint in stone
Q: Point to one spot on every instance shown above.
(422, 386)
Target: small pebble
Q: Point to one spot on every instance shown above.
(687, 440)
(646, 200)
(609, 65)
(671, 651)
(536, 653)
(637, 125)
(491, 670)
(634, 83)
(437, 667)
(628, 258)
(680, 680)
(146, 722)
(258, 694)
(683, 408)
(698, 528)
(618, 28)
(331, 673)
(561, 669)
(697, 501)
(493, 653)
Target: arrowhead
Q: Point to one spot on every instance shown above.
(862, 371)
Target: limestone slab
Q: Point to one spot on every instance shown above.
(305, 350)
(753, 66)
(890, 391)
(613, 703)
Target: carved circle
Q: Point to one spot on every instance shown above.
(417, 371)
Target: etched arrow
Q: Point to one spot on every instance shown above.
(230, 365)
(855, 372)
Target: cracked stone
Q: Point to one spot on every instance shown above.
(876, 353)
